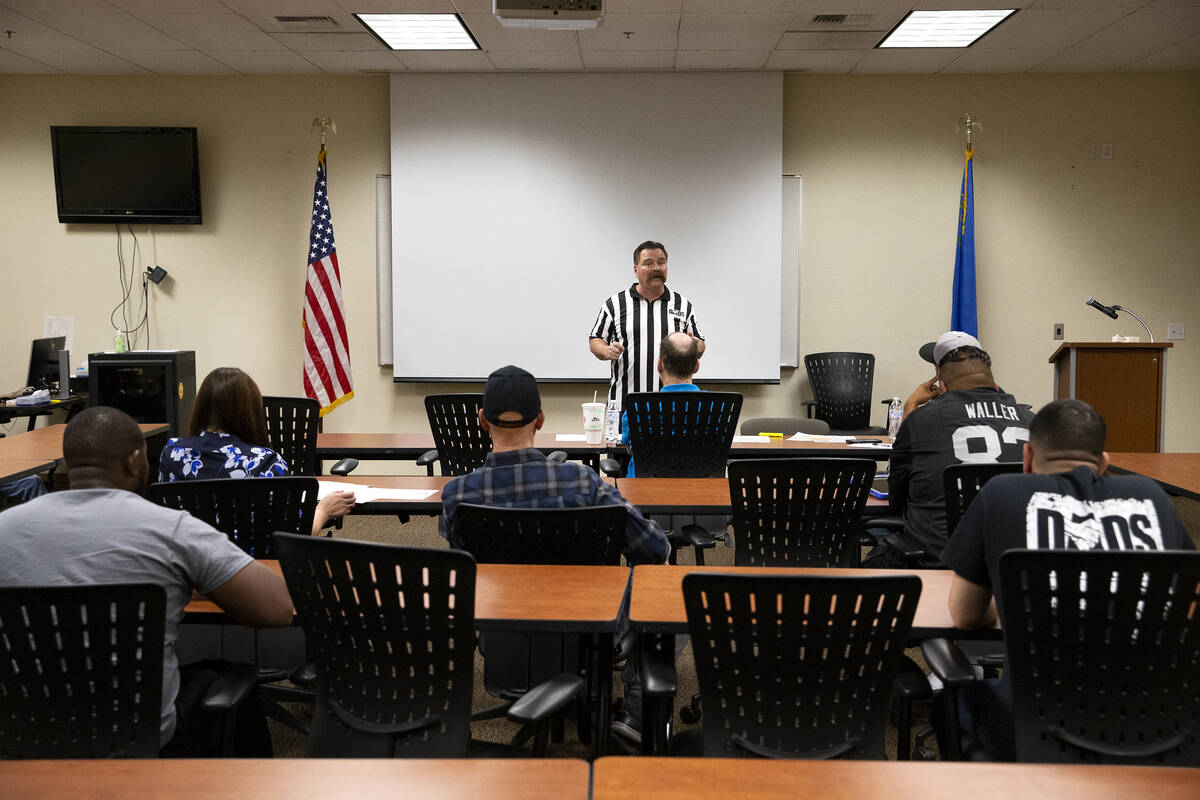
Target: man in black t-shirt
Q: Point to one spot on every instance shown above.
(1067, 503)
(961, 416)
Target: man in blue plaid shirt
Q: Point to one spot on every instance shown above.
(517, 475)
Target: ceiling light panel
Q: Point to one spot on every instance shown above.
(419, 31)
(944, 28)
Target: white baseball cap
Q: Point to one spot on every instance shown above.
(948, 342)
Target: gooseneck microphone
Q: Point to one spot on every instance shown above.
(1103, 309)
(1112, 312)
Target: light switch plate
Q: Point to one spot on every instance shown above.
(1059, 331)
(1175, 330)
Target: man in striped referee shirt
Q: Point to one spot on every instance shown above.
(632, 323)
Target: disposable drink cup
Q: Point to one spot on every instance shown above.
(593, 422)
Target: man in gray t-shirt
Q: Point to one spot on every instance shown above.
(101, 531)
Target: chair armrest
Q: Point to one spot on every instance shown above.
(692, 536)
(948, 662)
(625, 647)
(610, 467)
(891, 522)
(903, 546)
(809, 406)
(305, 675)
(557, 457)
(546, 699)
(232, 686)
(427, 458)
(659, 677)
(344, 467)
(911, 683)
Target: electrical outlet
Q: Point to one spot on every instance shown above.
(1089, 152)
(1059, 331)
(1175, 330)
(1106, 152)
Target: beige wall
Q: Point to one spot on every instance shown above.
(880, 161)
(882, 164)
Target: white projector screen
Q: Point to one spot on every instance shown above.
(517, 201)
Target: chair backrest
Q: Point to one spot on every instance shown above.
(841, 386)
(962, 483)
(292, 425)
(1104, 655)
(785, 425)
(81, 670)
(590, 535)
(797, 665)
(462, 444)
(247, 510)
(391, 630)
(797, 511)
(682, 434)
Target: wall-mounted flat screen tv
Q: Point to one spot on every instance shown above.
(126, 174)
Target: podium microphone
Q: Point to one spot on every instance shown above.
(1103, 309)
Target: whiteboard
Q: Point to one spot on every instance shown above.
(517, 201)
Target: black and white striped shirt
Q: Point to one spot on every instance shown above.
(640, 325)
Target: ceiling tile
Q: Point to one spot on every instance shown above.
(224, 31)
(175, 62)
(140, 7)
(648, 32)
(402, 6)
(831, 40)
(354, 63)
(721, 59)
(740, 6)
(473, 6)
(14, 63)
(732, 31)
(558, 60)
(900, 62)
(112, 30)
(285, 7)
(1182, 56)
(999, 59)
(828, 61)
(89, 61)
(259, 62)
(1136, 36)
(1081, 4)
(629, 60)
(327, 42)
(1050, 28)
(491, 36)
(645, 6)
(52, 6)
(30, 35)
(445, 60)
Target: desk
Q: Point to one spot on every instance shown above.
(783, 448)
(11, 411)
(45, 444)
(1177, 473)
(410, 446)
(430, 505)
(254, 779)
(13, 468)
(624, 778)
(690, 495)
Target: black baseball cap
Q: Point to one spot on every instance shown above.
(511, 389)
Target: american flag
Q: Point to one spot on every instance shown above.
(326, 348)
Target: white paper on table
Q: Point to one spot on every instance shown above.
(367, 494)
(812, 437)
(327, 487)
(871, 445)
(750, 439)
(570, 437)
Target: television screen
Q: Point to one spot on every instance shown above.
(126, 174)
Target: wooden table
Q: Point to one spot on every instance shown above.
(429, 505)
(259, 779)
(13, 468)
(10, 411)
(410, 446)
(688, 495)
(45, 444)
(1177, 473)
(625, 778)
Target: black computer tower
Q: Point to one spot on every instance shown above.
(150, 386)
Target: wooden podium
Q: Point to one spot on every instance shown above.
(1121, 380)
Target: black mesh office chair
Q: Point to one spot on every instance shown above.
(516, 661)
(393, 633)
(460, 442)
(795, 666)
(292, 425)
(841, 385)
(798, 511)
(247, 510)
(1103, 648)
(81, 671)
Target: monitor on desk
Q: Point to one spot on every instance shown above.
(43, 362)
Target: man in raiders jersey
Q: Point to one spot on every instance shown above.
(632, 323)
(1067, 502)
(959, 417)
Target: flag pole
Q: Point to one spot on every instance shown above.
(965, 122)
(326, 124)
